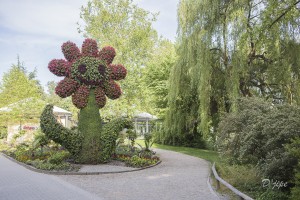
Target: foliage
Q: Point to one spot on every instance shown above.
(44, 165)
(90, 125)
(128, 28)
(21, 94)
(294, 149)
(148, 141)
(17, 85)
(51, 159)
(245, 178)
(110, 134)
(40, 140)
(227, 50)
(3, 146)
(257, 134)
(126, 150)
(273, 194)
(155, 77)
(131, 135)
(22, 153)
(136, 161)
(135, 157)
(58, 157)
(69, 139)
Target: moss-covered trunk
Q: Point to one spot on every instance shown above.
(90, 126)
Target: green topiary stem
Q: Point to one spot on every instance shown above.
(90, 126)
(92, 143)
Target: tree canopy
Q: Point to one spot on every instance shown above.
(21, 94)
(17, 85)
(227, 50)
(128, 28)
(155, 77)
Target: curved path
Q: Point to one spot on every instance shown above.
(19, 183)
(179, 176)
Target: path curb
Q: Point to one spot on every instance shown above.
(74, 173)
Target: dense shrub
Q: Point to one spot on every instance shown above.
(44, 165)
(136, 161)
(257, 134)
(40, 140)
(131, 135)
(58, 157)
(22, 153)
(294, 149)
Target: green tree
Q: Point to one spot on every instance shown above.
(230, 49)
(17, 86)
(128, 28)
(21, 94)
(155, 77)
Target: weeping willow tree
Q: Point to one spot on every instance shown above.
(228, 49)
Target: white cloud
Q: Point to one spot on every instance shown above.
(52, 18)
(36, 29)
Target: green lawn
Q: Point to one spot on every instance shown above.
(211, 156)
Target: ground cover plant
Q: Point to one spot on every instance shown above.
(42, 153)
(50, 157)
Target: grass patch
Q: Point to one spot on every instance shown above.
(208, 155)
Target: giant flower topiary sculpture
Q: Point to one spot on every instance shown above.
(89, 77)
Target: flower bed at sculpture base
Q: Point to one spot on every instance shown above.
(54, 158)
(135, 157)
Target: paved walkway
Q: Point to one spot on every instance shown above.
(19, 183)
(178, 177)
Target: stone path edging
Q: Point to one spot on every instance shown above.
(74, 173)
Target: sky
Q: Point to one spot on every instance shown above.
(34, 30)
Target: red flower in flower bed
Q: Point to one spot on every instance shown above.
(86, 70)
